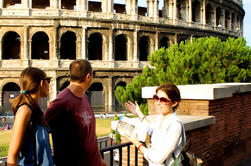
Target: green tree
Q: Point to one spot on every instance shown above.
(200, 61)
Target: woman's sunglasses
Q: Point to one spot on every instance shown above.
(161, 99)
(47, 79)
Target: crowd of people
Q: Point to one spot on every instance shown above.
(75, 142)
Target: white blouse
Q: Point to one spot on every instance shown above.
(166, 139)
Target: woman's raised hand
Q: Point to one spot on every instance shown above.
(130, 106)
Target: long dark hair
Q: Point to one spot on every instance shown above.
(29, 83)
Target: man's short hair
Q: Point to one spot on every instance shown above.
(79, 69)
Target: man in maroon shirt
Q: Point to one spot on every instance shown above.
(72, 121)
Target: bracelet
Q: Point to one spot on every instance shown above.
(139, 147)
(142, 118)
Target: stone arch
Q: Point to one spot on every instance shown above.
(144, 48)
(196, 11)
(218, 17)
(96, 95)
(9, 91)
(68, 45)
(209, 14)
(7, 3)
(121, 47)
(40, 46)
(227, 19)
(40, 4)
(95, 46)
(164, 42)
(66, 4)
(11, 45)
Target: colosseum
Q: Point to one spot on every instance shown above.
(115, 38)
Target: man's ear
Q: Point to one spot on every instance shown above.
(88, 76)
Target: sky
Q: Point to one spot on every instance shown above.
(246, 22)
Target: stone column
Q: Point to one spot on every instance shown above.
(174, 12)
(26, 45)
(223, 18)
(1, 4)
(109, 83)
(156, 10)
(165, 9)
(214, 20)
(203, 11)
(156, 41)
(132, 7)
(107, 6)
(84, 44)
(30, 3)
(150, 11)
(54, 4)
(135, 49)
(110, 57)
(25, 3)
(190, 11)
(1, 51)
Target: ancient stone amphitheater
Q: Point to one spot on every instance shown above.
(116, 38)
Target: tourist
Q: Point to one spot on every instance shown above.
(29, 143)
(166, 135)
(72, 121)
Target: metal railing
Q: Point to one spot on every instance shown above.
(119, 147)
(107, 148)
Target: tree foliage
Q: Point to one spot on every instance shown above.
(200, 61)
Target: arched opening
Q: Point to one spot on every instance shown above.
(10, 91)
(183, 38)
(95, 46)
(70, 5)
(181, 9)
(40, 46)
(233, 21)
(11, 46)
(40, 4)
(65, 84)
(120, 48)
(96, 96)
(196, 11)
(7, 3)
(120, 6)
(95, 6)
(144, 46)
(68, 46)
(227, 18)
(218, 17)
(118, 105)
(209, 14)
(164, 42)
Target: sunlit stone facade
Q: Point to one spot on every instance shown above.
(115, 38)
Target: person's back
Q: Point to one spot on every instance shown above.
(72, 121)
(72, 125)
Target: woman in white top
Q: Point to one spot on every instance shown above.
(166, 137)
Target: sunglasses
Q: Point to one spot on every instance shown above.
(47, 79)
(161, 99)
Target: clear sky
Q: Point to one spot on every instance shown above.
(247, 21)
(247, 18)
